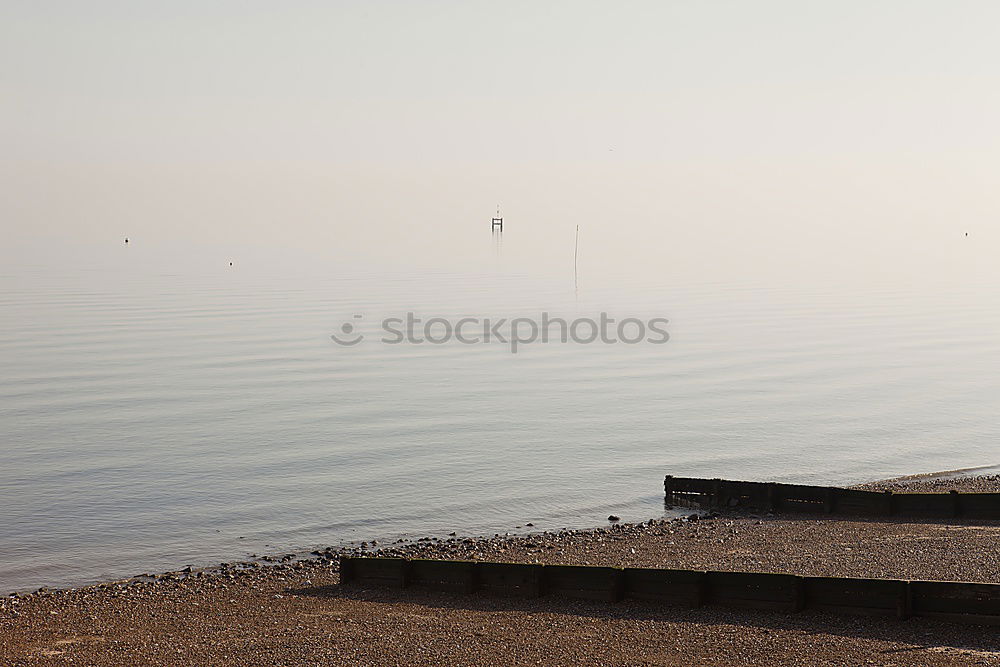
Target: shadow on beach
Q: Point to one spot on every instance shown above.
(918, 633)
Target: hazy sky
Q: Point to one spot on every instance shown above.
(350, 122)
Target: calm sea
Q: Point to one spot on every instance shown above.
(161, 408)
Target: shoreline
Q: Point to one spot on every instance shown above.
(229, 614)
(962, 479)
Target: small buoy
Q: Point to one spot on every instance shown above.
(126, 240)
(230, 263)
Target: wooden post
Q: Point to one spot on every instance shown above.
(700, 590)
(904, 604)
(799, 603)
(346, 569)
(472, 578)
(618, 588)
(404, 573)
(535, 586)
(956, 503)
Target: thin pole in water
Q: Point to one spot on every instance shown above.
(576, 254)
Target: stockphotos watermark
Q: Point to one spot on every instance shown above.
(514, 332)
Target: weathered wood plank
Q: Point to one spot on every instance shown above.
(754, 590)
(511, 578)
(685, 587)
(581, 581)
(454, 576)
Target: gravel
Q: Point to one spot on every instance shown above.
(958, 480)
(293, 612)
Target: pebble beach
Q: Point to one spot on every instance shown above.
(289, 608)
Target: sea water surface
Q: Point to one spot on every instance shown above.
(161, 407)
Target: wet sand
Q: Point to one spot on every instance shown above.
(295, 613)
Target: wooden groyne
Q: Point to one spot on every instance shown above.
(775, 497)
(954, 601)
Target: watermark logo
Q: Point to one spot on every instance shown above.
(348, 335)
(514, 332)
